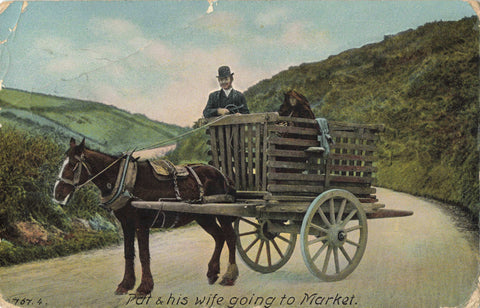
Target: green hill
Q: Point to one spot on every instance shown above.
(106, 128)
(34, 135)
(422, 84)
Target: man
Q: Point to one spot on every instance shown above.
(226, 100)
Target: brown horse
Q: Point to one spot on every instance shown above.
(83, 165)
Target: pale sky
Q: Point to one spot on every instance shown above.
(160, 58)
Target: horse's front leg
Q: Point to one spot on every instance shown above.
(128, 281)
(209, 224)
(231, 274)
(146, 286)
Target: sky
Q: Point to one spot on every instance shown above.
(160, 58)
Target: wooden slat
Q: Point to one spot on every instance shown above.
(305, 131)
(282, 188)
(286, 189)
(297, 120)
(258, 164)
(287, 153)
(213, 145)
(228, 145)
(293, 165)
(296, 177)
(264, 156)
(338, 156)
(353, 168)
(293, 142)
(250, 156)
(335, 179)
(236, 155)
(229, 209)
(349, 146)
(221, 146)
(334, 125)
(243, 163)
(244, 118)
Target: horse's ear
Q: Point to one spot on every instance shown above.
(82, 144)
(72, 142)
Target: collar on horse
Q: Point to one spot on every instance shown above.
(122, 191)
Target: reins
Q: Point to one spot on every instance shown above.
(164, 142)
(101, 172)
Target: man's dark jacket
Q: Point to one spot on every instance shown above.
(218, 99)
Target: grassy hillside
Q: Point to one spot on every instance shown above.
(106, 128)
(34, 135)
(423, 85)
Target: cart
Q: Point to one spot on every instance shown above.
(287, 187)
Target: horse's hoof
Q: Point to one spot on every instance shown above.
(144, 290)
(140, 294)
(227, 282)
(121, 291)
(212, 280)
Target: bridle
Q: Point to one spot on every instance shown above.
(77, 172)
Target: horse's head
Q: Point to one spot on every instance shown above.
(74, 172)
(295, 105)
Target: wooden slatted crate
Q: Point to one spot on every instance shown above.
(265, 156)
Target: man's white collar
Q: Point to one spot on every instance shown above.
(227, 92)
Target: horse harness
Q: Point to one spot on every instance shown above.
(163, 170)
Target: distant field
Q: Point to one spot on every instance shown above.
(105, 127)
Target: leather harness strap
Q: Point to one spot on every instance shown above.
(199, 183)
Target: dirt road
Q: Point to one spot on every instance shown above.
(417, 261)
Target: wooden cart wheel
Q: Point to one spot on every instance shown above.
(334, 235)
(261, 250)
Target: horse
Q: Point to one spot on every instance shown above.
(83, 165)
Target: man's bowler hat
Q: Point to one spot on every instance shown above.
(224, 71)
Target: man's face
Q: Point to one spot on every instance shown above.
(225, 82)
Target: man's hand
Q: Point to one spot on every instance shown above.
(223, 111)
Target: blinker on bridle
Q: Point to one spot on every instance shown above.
(77, 171)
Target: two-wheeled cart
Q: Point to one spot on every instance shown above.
(286, 186)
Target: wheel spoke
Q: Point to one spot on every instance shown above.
(352, 243)
(319, 252)
(324, 218)
(350, 216)
(340, 211)
(335, 257)
(248, 233)
(284, 239)
(318, 227)
(259, 252)
(251, 245)
(269, 256)
(332, 211)
(250, 222)
(319, 239)
(277, 248)
(353, 228)
(345, 254)
(327, 259)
